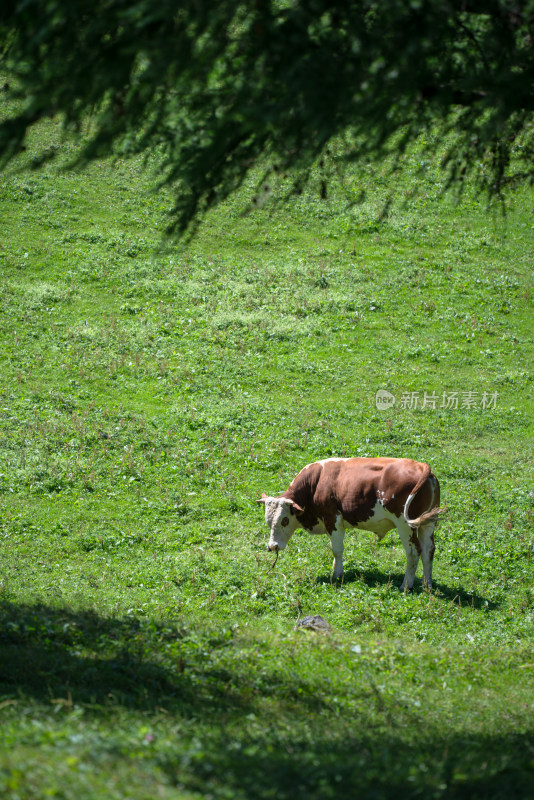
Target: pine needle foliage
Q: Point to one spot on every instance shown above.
(215, 88)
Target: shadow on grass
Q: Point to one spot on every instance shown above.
(362, 765)
(373, 577)
(81, 657)
(230, 747)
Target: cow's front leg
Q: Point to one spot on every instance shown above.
(336, 541)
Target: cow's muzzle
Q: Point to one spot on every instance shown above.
(273, 548)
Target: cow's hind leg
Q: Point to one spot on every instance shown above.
(337, 538)
(425, 534)
(412, 549)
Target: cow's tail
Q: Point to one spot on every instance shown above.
(432, 513)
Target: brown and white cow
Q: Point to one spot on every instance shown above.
(374, 494)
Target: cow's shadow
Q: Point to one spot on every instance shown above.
(441, 591)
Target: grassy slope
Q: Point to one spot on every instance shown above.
(148, 397)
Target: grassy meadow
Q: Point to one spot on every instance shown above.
(151, 390)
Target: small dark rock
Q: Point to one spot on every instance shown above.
(315, 623)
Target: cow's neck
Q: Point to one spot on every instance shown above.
(302, 492)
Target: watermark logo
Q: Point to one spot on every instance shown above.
(384, 400)
(431, 401)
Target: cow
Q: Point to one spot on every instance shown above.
(373, 494)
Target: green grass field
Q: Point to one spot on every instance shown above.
(150, 391)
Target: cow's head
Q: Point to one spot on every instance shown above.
(281, 517)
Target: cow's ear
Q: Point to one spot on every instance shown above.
(263, 498)
(296, 509)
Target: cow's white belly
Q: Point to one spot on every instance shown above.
(380, 527)
(380, 523)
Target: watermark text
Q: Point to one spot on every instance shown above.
(431, 401)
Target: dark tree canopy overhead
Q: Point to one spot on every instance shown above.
(215, 86)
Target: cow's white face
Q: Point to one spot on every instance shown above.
(281, 519)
